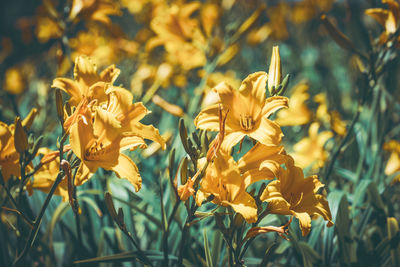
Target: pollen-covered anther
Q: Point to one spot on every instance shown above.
(246, 122)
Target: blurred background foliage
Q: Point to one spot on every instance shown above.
(347, 101)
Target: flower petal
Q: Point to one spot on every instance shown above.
(71, 88)
(245, 205)
(110, 74)
(127, 169)
(274, 103)
(268, 133)
(304, 221)
(231, 139)
(208, 119)
(254, 87)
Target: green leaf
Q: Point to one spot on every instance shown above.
(127, 256)
(207, 249)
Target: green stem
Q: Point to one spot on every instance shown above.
(36, 225)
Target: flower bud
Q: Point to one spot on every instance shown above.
(275, 71)
(20, 137)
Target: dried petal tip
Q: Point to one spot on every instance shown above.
(275, 71)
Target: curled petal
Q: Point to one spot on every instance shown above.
(127, 169)
(273, 104)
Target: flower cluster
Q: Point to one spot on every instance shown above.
(225, 181)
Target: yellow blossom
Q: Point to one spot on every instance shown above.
(310, 150)
(100, 133)
(180, 35)
(224, 181)
(45, 177)
(14, 82)
(96, 10)
(388, 18)
(87, 83)
(330, 117)
(261, 163)
(298, 112)
(249, 112)
(393, 163)
(9, 157)
(292, 194)
(275, 71)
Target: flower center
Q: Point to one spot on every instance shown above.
(95, 150)
(246, 122)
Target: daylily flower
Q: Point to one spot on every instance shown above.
(9, 157)
(393, 163)
(261, 163)
(87, 83)
(100, 134)
(388, 18)
(223, 180)
(96, 10)
(292, 194)
(180, 35)
(298, 112)
(310, 150)
(45, 177)
(249, 112)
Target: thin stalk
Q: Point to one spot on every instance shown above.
(36, 225)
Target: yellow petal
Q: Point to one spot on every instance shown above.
(71, 88)
(85, 72)
(81, 133)
(253, 89)
(274, 103)
(304, 221)
(379, 14)
(245, 205)
(82, 175)
(127, 169)
(110, 74)
(231, 139)
(149, 132)
(268, 133)
(208, 119)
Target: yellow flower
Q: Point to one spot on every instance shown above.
(96, 10)
(298, 113)
(389, 19)
(261, 163)
(45, 177)
(310, 150)
(275, 71)
(224, 181)
(249, 112)
(180, 35)
(9, 157)
(292, 194)
(100, 133)
(87, 83)
(330, 117)
(14, 82)
(393, 164)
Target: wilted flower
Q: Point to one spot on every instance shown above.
(292, 194)
(249, 112)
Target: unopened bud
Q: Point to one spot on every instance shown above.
(59, 104)
(27, 122)
(20, 137)
(275, 71)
